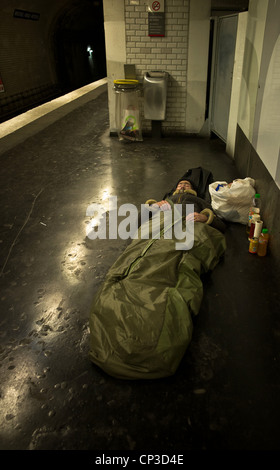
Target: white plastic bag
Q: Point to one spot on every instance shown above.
(232, 201)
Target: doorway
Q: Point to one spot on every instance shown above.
(225, 31)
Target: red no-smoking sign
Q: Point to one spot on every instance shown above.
(156, 6)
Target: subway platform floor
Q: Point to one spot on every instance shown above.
(225, 394)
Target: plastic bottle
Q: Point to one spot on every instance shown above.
(257, 201)
(263, 242)
(254, 209)
(253, 245)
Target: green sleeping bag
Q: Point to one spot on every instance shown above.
(141, 318)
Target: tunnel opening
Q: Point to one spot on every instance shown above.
(79, 45)
(76, 48)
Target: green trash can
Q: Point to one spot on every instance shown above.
(128, 119)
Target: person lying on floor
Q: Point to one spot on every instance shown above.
(185, 193)
(141, 320)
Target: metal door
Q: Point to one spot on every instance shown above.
(223, 72)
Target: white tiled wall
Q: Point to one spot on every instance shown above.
(168, 53)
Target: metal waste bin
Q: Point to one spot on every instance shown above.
(127, 110)
(155, 92)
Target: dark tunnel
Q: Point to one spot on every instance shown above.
(76, 47)
(79, 45)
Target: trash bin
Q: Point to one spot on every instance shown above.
(155, 92)
(127, 110)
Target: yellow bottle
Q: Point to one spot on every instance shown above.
(263, 241)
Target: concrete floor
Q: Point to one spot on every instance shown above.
(225, 394)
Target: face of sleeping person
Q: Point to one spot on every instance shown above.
(183, 185)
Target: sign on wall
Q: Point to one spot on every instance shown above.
(156, 6)
(26, 15)
(156, 18)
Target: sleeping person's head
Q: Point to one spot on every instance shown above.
(184, 185)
